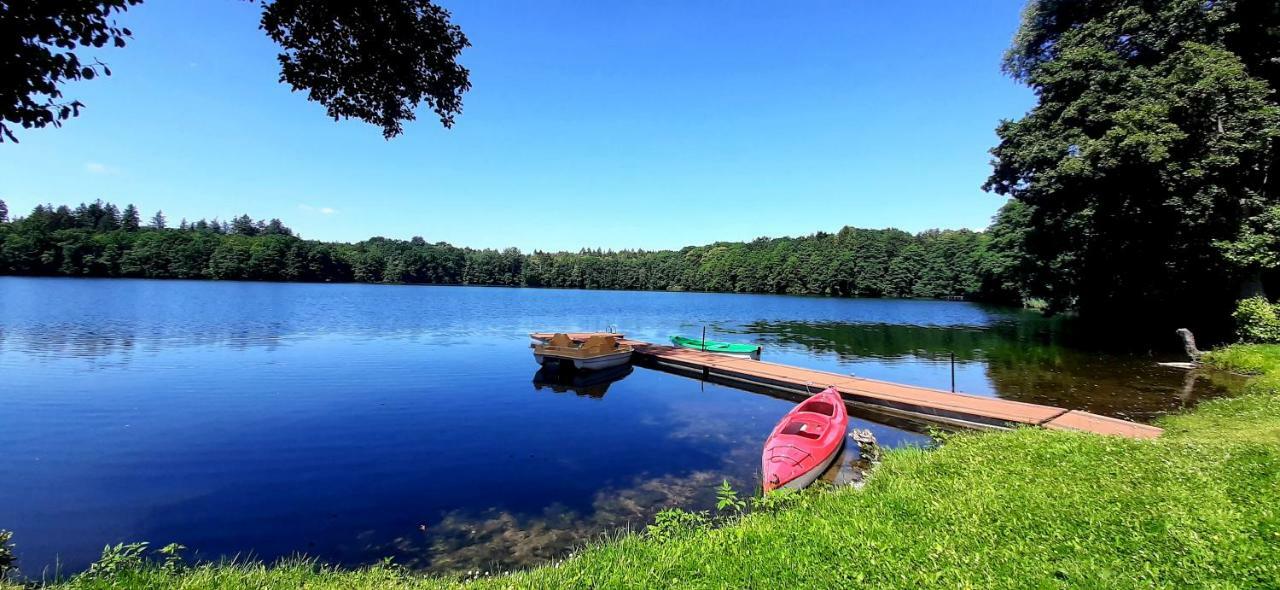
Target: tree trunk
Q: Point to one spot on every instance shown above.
(1252, 286)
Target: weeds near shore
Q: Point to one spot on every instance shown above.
(7, 558)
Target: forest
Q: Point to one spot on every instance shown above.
(102, 240)
(1142, 181)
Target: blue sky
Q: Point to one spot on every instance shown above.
(590, 124)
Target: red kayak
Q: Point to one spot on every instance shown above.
(805, 442)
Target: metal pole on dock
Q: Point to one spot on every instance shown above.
(704, 339)
(953, 371)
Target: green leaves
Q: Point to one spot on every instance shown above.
(172, 554)
(674, 522)
(117, 559)
(1257, 321)
(727, 499)
(1148, 154)
(42, 39)
(374, 60)
(1257, 246)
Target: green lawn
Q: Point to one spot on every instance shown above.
(1199, 507)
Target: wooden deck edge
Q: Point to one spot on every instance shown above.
(953, 414)
(960, 420)
(951, 408)
(1087, 422)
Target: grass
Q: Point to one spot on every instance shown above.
(1249, 359)
(1198, 507)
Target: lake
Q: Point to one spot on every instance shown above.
(356, 422)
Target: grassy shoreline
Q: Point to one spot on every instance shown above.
(1198, 507)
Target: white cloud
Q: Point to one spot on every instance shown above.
(100, 168)
(320, 210)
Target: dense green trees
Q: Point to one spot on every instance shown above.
(97, 239)
(1145, 176)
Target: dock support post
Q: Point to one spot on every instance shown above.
(953, 371)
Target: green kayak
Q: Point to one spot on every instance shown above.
(714, 346)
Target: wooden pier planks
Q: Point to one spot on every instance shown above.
(970, 410)
(1084, 421)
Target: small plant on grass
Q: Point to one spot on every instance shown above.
(727, 499)
(673, 522)
(118, 558)
(172, 557)
(775, 500)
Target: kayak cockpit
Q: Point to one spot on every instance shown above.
(816, 406)
(804, 429)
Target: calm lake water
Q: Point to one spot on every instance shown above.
(356, 422)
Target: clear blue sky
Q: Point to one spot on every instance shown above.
(590, 124)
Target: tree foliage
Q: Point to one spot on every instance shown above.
(94, 240)
(373, 60)
(1256, 321)
(1151, 150)
(41, 40)
(129, 219)
(1257, 247)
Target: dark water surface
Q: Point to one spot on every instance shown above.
(355, 422)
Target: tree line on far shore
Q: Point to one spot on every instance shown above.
(102, 240)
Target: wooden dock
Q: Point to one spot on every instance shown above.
(956, 409)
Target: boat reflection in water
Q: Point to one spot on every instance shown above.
(584, 383)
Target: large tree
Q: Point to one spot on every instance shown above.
(1150, 155)
(130, 219)
(373, 60)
